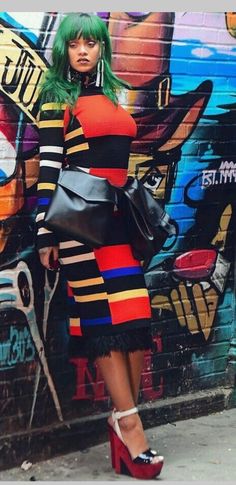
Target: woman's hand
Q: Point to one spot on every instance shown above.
(49, 257)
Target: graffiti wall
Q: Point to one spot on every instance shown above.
(182, 70)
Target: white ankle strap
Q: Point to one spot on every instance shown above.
(122, 414)
(116, 415)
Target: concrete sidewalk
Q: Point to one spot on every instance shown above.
(201, 449)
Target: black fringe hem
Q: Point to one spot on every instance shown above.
(93, 347)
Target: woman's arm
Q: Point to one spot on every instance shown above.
(51, 145)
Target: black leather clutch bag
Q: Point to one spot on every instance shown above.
(81, 207)
(147, 222)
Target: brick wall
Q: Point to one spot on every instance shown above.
(182, 66)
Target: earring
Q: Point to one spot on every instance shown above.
(68, 76)
(100, 73)
(72, 75)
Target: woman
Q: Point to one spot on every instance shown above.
(82, 122)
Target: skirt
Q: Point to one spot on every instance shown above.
(94, 347)
(109, 305)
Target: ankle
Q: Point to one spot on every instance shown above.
(129, 423)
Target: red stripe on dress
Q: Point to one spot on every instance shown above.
(116, 176)
(69, 291)
(108, 118)
(75, 331)
(113, 257)
(131, 309)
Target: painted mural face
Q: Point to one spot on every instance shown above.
(11, 183)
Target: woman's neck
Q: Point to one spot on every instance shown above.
(85, 78)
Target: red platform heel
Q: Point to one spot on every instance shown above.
(140, 467)
(112, 444)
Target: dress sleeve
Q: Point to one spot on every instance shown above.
(51, 149)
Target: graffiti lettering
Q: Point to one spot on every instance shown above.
(149, 389)
(90, 384)
(18, 348)
(22, 76)
(208, 177)
(226, 173)
(20, 73)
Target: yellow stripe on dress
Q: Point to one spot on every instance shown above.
(56, 106)
(126, 295)
(43, 230)
(46, 186)
(75, 322)
(77, 148)
(74, 133)
(79, 258)
(51, 124)
(93, 297)
(69, 244)
(88, 282)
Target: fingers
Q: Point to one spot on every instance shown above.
(49, 257)
(55, 253)
(44, 255)
(54, 263)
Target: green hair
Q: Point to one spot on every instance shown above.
(55, 87)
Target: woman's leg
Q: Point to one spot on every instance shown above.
(135, 362)
(116, 371)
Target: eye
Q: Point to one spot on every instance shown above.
(91, 43)
(72, 44)
(138, 16)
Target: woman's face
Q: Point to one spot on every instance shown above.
(83, 54)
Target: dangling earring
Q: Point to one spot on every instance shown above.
(68, 75)
(72, 75)
(100, 73)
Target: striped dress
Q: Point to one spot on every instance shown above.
(109, 306)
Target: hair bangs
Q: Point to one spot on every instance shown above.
(83, 25)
